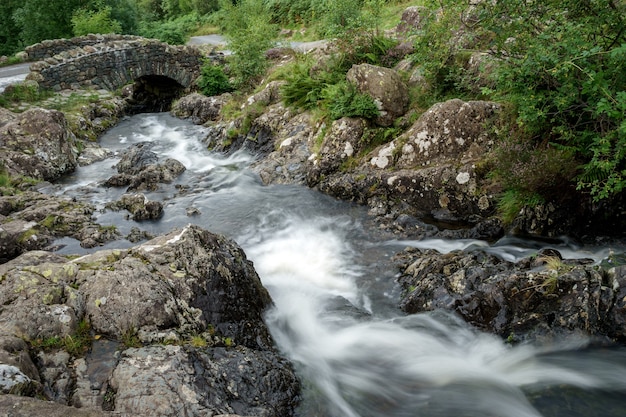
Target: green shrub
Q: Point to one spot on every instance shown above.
(23, 92)
(212, 80)
(250, 34)
(564, 69)
(85, 21)
(304, 86)
(344, 100)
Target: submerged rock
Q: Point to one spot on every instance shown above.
(190, 297)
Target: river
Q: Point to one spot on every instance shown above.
(335, 296)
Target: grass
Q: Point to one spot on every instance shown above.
(512, 201)
(76, 344)
(130, 338)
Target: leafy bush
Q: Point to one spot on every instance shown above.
(564, 68)
(212, 80)
(344, 100)
(174, 32)
(250, 34)
(86, 21)
(25, 91)
(304, 86)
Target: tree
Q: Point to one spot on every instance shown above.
(250, 34)
(9, 30)
(86, 21)
(564, 69)
(46, 19)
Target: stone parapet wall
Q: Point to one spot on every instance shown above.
(113, 64)
(50, 48)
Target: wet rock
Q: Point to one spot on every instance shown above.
(137, 235)
(38, 143)
(198, 108)
(92, 152)
(189, 284)
(385, 86)
(32, 220)
(543, 297)
(340, 144)
(16, 406)
(139, 207)
(140, 170)
(137, 158)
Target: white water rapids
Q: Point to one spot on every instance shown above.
(335, 297)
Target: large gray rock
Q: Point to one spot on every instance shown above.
(189, 285)
(189, 382)
(31, 220)
(451, 131)
(198, 108)
(139, 169)
(538, 297)
(38, 143)
(385, 86)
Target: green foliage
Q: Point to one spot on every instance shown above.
(85, 21)
(343, 100)
(438, 49)
(130, 338)
(173, 31)
(512, 201)
(308, 89)
(9, 41)
(212, 80)
(23, 92)
(250, 34)
(564, 68)
(304, 87)
(75, 344)
(44, 19)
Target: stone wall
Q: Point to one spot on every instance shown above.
(50, 48)
(113, 64)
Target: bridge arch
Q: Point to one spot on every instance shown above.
(112, 64)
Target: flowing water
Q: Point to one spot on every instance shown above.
(335, 297)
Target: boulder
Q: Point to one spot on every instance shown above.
(540, 297)
(198, 108)
(139, 207)
(30, 220)
(287, 163)
(341, 143)
(412, 19)
(152, 381)
(38, 143)
(191, 298)
(139, 169)
(385, 86)
(451, 131)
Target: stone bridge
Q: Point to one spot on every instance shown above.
(113, 61)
